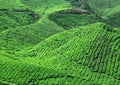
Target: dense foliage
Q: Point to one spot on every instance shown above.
(59, 42)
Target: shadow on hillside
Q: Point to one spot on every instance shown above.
(74, 18)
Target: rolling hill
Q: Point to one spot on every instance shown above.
(105, 7)
(66, 42)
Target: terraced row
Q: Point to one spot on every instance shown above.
(26, 74)
(23, 73)
(99, 51)
(64, 59)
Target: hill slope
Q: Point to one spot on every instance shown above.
(108, 10)
(12, 4)
(88, 61)
(51, 42)
(105, 7)
(26, 28)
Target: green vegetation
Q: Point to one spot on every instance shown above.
(66, 42)
(105, 7)
(5, 83)
(68, 21)
(12, 4)
(12, 19)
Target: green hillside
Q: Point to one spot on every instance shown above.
(105, 7)
(12, 4)
(68, 21)
(66, 42)
(37, 28)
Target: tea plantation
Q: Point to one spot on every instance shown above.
(59, 42)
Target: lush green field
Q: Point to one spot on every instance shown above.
(66, 42)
